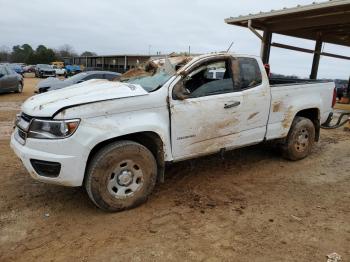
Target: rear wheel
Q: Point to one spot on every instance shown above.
(19, 88)
(121, 176)
(300, 139)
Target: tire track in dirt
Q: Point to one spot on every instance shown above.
(6, 129)
(10, 106)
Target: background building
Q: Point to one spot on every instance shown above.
(116, 63)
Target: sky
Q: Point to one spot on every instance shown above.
(110, 27)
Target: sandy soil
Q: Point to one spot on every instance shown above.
(251, 206)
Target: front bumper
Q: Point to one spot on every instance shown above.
(69, 154)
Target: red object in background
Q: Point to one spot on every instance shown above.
(334, 100)
(267, 68)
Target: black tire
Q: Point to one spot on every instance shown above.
(121, 176)
(300, 139)
(19, 88)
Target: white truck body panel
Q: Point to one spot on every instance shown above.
(43, 105)
(188, 128)
(288, 100)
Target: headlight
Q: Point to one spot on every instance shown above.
(52, 129)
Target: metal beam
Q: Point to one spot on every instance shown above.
(266, 47)
(309, 51)
(294, 48)
(335, 56)
(316, 59)
(253, 30)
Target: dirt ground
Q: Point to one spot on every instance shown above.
(251, 206)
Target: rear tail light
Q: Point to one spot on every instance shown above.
(334, 100)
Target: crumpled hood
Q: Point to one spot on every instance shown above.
(47, 104)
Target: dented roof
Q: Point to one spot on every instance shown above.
(329, 21)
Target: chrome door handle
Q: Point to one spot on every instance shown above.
(234, 104)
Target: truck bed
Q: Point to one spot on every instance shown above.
(276, 81)
(295, 95)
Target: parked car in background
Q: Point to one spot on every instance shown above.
(17, 68)
(44, 70)
(29, 69)
(60, 71)
(10, 81)
(73, 69)
(55, 83)
(58, 64)
(216, 73)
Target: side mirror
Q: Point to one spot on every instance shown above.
(1, 75)
(180, 92)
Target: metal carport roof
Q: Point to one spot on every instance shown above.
(327, 22)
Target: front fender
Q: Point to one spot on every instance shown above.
(99, 129)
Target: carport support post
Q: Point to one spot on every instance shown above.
(316, 60)
(266, 47)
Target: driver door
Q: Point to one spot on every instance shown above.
(207, 118)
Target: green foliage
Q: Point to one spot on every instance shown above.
(88, 53)
(21, 53)
(26, 54)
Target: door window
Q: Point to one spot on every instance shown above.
(3, 70)
(209, 79)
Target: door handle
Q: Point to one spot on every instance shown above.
(234, 104)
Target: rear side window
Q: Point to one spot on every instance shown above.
(246, 72)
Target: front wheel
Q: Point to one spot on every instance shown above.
(121, 176)
(300, 139)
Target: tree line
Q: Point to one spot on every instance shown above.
(41, 55)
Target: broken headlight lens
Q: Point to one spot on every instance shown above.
(52, 129)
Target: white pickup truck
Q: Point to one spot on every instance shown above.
(115, 138)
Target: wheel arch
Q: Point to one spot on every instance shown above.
(314, 115)
(151, 140)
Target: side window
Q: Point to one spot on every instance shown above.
(3, 70)
(209, 79)
(246, 72)
(10, 71)
(110, 77)
(93, 76)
